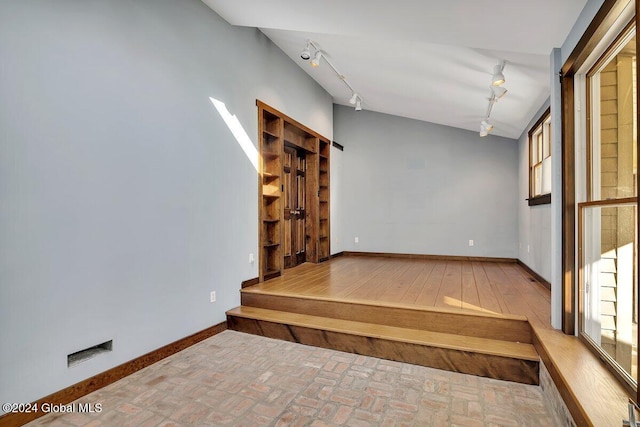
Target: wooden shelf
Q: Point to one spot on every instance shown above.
(271, 196)
(269, 175)
(270, 245)
(271, 220)
(270, 155)
(269, 134)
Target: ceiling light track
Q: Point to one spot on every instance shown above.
(320, 54)
(497, 92)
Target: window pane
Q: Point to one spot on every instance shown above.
(609, 267)
(546, 149)
(537, 180)
(546, 176)
(614, 121)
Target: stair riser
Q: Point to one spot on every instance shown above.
(497, 367)
(513, 330)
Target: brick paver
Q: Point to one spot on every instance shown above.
(235, 380)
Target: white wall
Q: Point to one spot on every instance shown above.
(534, 222)
(420, 188)
(125, 199)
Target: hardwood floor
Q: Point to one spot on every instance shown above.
(487, 287)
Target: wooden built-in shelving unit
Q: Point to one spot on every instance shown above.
(293, 193)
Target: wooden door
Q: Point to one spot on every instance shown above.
(294, 206)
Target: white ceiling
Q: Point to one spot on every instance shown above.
(423, 59)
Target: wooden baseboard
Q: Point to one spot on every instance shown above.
(433, 257)
(535, 275)
(336, 255)
(250, 282)
(103, 379)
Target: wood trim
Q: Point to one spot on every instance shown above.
(336, 255)
(545, 199)
(103, 379)
(637, 22)
(609, 202)
(432, 257)
(605, 17)
(568, 206)
(536, 276)
(338, 146)
(286, 118)
(250, 282)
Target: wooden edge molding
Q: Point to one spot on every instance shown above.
(545, 199)
(338, 146)
(250, 282)
(336, 255)
(110, 376)
(535, 275)
(432, 257)
(290, 120)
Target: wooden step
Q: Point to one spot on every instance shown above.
(511, 361)
(449, 321)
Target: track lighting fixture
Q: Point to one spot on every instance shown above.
(355, 99)
(316, 59)
(306, 53)
(497, 92)
(498, 76)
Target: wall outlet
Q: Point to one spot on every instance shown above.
(470, 242)
(251, 259)
(212, 296)
(356, 240)
(528, 249)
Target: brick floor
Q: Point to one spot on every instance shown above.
(234, 379)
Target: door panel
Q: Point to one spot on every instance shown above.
(294, 208)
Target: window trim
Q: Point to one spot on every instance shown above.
(541, 199)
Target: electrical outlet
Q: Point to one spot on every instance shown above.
(356, 240)
(251, 259)
(470, 242)
(212, 297)
(528, 249)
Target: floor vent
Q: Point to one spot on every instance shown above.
(88, 353)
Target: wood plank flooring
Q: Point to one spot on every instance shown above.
(488, 287)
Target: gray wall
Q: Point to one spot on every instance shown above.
(416, 187)
(125, 199)
(534, 222)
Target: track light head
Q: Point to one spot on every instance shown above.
(306, 53)
(498, 92)
(354, 98)
(316, 59)
(358, 104)
(498, 77)
(486, 126)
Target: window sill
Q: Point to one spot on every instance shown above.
(545, 199)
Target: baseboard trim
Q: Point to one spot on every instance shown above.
(336, 255)
(250, 282)
(535, 275)
(431, 257)
(103, 379)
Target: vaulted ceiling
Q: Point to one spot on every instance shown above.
(422, 59)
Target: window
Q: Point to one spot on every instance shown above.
(540, 161)
(608, 217)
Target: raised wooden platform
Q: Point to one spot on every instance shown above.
(497, 347)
